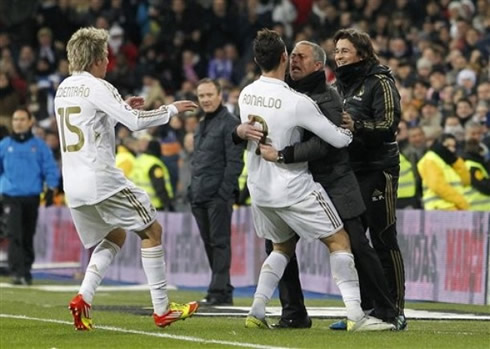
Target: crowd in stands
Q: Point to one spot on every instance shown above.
(437, 49)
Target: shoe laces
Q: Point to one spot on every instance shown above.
(177, 307)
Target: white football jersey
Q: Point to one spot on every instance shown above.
(283, 113)
(87, 110)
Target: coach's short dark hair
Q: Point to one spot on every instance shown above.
(360, 40)
(268, 48)
(25, 110)
(210, 81)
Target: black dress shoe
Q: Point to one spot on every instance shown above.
(20, 280)
(212, 301)
(293, 323)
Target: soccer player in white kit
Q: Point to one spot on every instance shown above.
(103, 203)
(285, 199)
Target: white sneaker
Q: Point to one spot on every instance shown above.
(369, 323)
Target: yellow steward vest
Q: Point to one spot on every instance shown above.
(478, 201)
(242, 180)
(125, 160)
(430, 199)
(141, 177)
(406, 182)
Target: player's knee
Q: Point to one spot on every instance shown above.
(287, 248)
(152, 233)
(338, 242)
(117, 236)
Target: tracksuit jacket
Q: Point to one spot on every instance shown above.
(369, 94)
(25, 166)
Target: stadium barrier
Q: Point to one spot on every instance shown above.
(446, 253)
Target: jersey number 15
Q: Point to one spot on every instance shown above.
(64, 114)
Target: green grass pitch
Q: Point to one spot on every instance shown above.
(40, 319)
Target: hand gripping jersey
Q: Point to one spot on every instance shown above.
(87, 110)
(283, 113)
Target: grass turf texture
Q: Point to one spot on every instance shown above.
(203, 332)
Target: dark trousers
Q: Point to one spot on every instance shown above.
(21, 213)
(214, 221)
(379, 190)
(372, 281)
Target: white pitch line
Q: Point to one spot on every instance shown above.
(150, 334)
(75, 288)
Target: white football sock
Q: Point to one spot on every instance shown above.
(100, 260)
(154, 267)
(270, 274)
(345, 275)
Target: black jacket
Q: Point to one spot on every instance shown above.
(371, 98)
(329, 166)
(217, 162)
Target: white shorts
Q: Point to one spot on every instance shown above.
(129, 209)
(314, 217)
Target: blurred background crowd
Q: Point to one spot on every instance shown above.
(159, 49)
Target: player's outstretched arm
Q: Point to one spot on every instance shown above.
(127, 112)
(183, 106)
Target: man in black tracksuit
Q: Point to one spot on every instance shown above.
(330, 167)
(372, 112)
(215, 168)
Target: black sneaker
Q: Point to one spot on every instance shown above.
(400, 323)
(293, 323)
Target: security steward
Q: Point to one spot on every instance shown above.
(126, 155)
(150, 173)
(407, 185)
(478, 192)
(444, 176)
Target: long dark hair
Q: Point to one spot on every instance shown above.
(361, 41)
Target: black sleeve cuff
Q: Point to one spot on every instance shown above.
(288, 154)
(236, 139)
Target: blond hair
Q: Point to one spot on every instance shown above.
(85, 47)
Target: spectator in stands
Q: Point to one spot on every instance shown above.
(192, 66)
(483, 91)
(453, 126)
(220, 67)
(478, 192)
(473, 131)
(417, 145)
(119, 45)
(46, 47)
(216, 166)
(26, 166)
(9, 100)
(464, 110)
(444, 176)
(26, 62)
